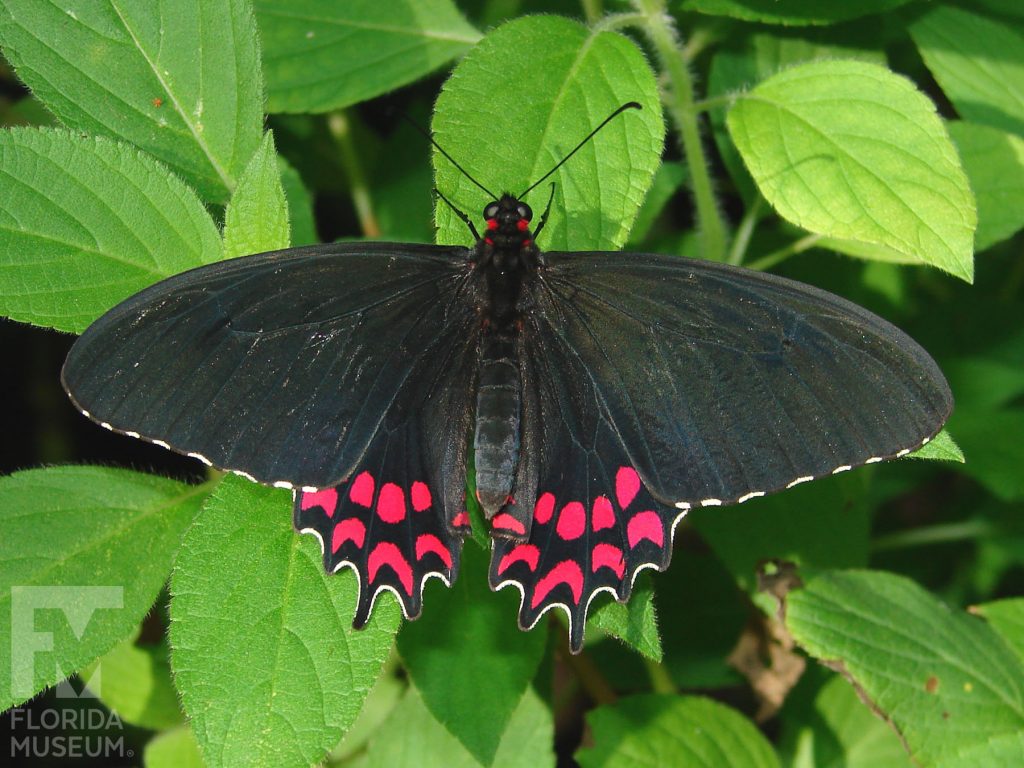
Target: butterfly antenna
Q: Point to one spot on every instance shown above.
(439, 148)
(612, 116)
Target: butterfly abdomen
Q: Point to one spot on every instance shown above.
(496, 440)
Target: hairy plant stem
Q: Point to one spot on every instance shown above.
(741, 240)
(775, 257)
(592, 10)
(679, 101)
(590, 677)
(661, 680)
(341, 131)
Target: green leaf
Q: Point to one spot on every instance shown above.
(668, 179)
(942, 678)
(270, 670)
(1005, 751)
(300, 205)
(179, 80)
(173, 749)
(256, 219)
(838, 730)
(136, 684)
(991, 440)
(1006, 617)
(790, 11)
(684, 731)
(468, 633)
(87, 222)
(942, 447)
(412, 737)
(994, 161)
(821, 524)
(855, 152)
(318, 57)
(634, 622)
(979, 63)
(379, 705)
(84, 552)
(575, 78)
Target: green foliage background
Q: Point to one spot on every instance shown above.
(873, 149)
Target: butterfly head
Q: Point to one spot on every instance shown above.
(507, 242)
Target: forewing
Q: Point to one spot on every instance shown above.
(279, 366)
(725, 384)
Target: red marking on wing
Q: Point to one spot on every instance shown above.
(544, 508)
(627, 485)
(645, 525)
(506, 522)
(421, 496)
(348, 530)
(566, 572)
(572, 521)
(327, 498)
(461, 520)
(391, 504)
(602, 515)
(527, 553)
(386, 553)
(427, 543)
(607, 556)
(361, 490)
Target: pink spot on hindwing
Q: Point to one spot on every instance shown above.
(566, 572)
(427, 543)
(645, 525)
(327, 498)
(421, 496)
(527, 553)
(627, 485)
(461, 520)
(544, 508)
(361, 490)
(348, 530)
(386, 553)
(607, 556)
(602, 515)
(572, 521)
(391, 504)
(506, 522)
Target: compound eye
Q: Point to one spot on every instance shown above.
(491, 211)
(524, 211)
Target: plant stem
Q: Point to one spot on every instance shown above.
(745, 231)
(592, 11)
(968, 530)
(590, 678)
(797, 246)
(338, 124)
(661, 680)
(679, 101)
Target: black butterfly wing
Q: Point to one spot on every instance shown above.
(662, 383)
(279, 366)
(724, 383)
(388, 522)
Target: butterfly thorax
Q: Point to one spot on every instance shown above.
(507, 256)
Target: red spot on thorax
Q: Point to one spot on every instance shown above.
(488, 241)
(627, 485)
(361, 490)
(645, 525)
(566, 572)
(607, 556)
(527, 553)
(388, 554)
(420, 496)
(544, 508)
(506, 522)
(327, 498)
(391, 504)
(527, 242)
(427, 543)
(602, 515)
(348, 530)
(492, 223)
(523, 225)
(572, 521)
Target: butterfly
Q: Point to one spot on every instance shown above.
(605, 394)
